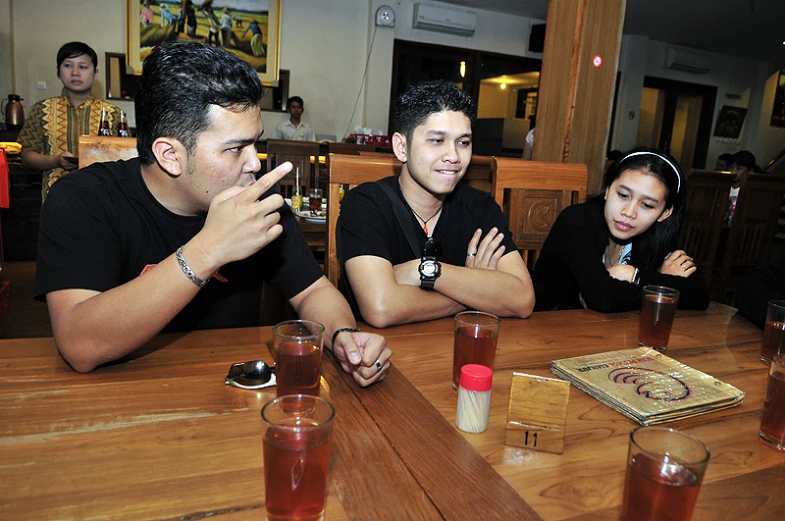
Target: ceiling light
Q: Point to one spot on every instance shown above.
(503, 86)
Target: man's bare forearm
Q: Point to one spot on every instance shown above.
(492, 291)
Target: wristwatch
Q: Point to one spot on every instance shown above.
(636, 277)
(430, 268)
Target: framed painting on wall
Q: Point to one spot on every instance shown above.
(254, 35)
(778, 110)
(730, 121)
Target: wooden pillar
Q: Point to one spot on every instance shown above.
(576, 96)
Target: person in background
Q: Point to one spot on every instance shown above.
(613, 156)
(599, 254)
(741, 163)
(528, 145)
(294, 128)
(184, 236)
(766, 282)
(50, 135)
(464, 257)
(723, 162)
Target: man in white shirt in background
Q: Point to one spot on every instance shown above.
(294, 129)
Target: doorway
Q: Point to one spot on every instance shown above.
(504, 87)
(676, 117)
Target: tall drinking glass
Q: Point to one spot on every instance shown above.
(297, 434)
(475, 339)
(772, 422)
(774, 331)
(658, 307)
(665, 469)
(297, 345)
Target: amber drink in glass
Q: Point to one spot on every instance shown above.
(297, 434)
(664, 473)
(773, 331)
(297, 347)
(658, 307)
(475, 339)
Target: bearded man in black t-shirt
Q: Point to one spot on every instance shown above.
(184, 236)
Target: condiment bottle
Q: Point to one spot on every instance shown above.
(474, 398)
(122, 127)
(104, 129)
(297, 199)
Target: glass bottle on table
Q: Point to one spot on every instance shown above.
(104, 129)
(122, 127)
(297, 198)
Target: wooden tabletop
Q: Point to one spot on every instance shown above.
(161, 437)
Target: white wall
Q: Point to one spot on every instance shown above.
(732, 76)
(324, 44)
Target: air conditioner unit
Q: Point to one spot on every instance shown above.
(444, 20)
(687, 61)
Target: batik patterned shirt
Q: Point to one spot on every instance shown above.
(53, 126)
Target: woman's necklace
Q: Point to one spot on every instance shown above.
(425, 221)
(618, 260)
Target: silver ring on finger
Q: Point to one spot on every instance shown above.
(471, 254)
(378, 365)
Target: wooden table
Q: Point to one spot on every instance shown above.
(161, 437)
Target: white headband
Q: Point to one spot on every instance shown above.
(678, 177)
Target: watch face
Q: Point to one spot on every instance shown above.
(428, 268)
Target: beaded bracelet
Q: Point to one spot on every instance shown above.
(343, 330)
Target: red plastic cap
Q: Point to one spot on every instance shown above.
(476, 377)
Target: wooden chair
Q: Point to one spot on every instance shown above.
(303, 155)
(100, 149)
(751, 232)
(480, 173)
(350, 171)
(532, 194)
(336, 147)
(703, 222)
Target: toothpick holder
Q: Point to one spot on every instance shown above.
(537, 413)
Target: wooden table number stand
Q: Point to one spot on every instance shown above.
(537, 413)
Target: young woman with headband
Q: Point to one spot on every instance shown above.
(599, 254)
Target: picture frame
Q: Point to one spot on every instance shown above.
(730, 121)
(778, 107)
(255, 35)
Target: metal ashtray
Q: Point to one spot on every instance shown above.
(255, 374)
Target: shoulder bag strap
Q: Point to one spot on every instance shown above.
(404, 219)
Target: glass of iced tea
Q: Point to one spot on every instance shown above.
(297, 433)
(664, 473)
(297, 346)
(772, 421)
(774, 331)
(658, 307)
(474, 342)
(315, 199)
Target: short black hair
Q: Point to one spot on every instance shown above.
(744, 158)
(180, 82)
(421, 100)
(725, 157)
(297, 99)
(73, 50)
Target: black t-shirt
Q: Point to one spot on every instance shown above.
(101, 226)
(368, 225)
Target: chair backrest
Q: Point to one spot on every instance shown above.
(752, 229)
(303, 155)
(532, 194)
(337, 147)
(100, 149)
(703, 220)
(350, 171)
(480, 173)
